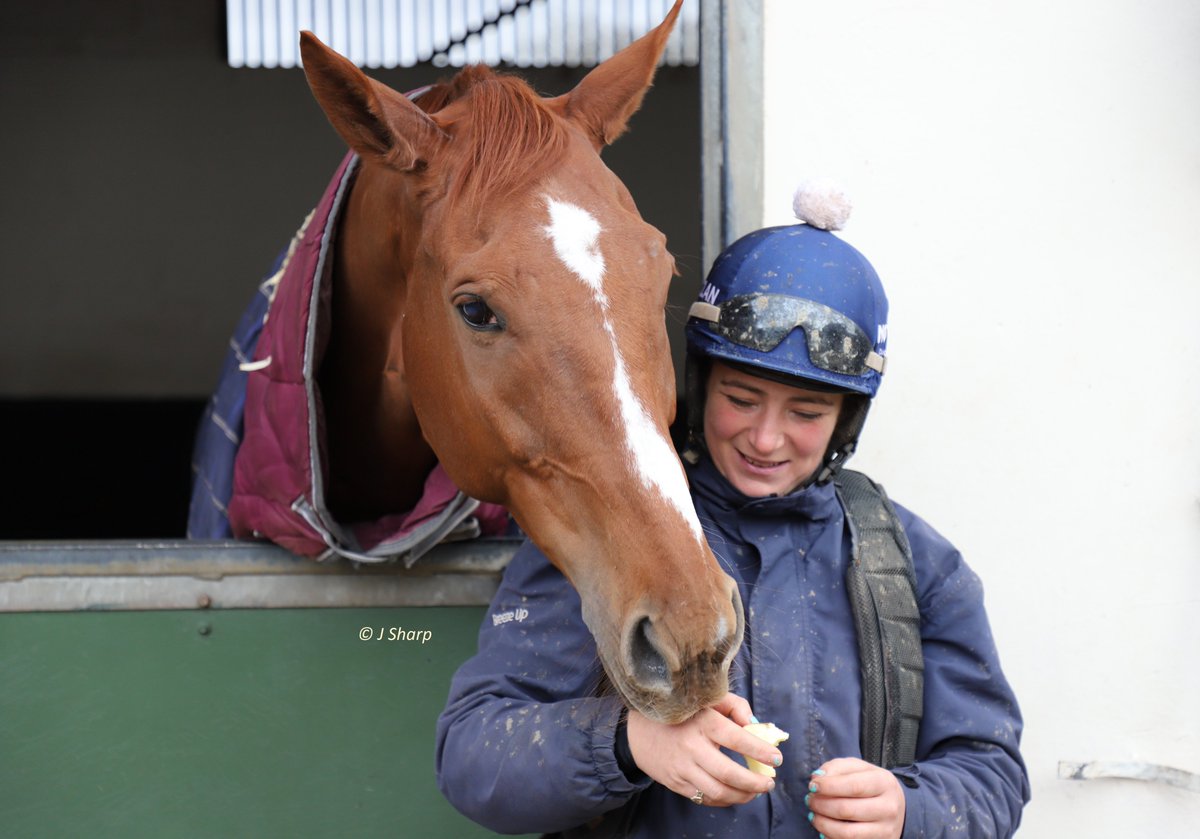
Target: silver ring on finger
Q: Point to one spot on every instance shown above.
(698, 797)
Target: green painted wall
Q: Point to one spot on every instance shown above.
(256, 723)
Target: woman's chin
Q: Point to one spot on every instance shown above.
(753, 484)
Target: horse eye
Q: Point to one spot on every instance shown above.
(477, 315)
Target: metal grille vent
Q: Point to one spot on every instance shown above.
(404, 33)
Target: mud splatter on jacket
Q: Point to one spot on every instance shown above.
(525, 744)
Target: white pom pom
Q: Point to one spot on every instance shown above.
(822, 203)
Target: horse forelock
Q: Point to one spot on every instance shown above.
(504, 135)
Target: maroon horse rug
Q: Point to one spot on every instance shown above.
(259, 465)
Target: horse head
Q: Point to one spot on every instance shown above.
(527, 300)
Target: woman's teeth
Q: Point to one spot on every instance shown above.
(761, 464)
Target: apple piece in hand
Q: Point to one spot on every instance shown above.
(772, 734)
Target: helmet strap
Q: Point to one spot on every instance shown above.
(695, 390)
(845, 436)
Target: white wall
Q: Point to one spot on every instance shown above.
(1027, 183)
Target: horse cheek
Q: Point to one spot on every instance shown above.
(448, 397)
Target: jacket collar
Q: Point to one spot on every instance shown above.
(815, 502)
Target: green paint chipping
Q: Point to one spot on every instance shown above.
(227, 723)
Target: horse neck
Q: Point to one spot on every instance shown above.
(372, 260)
(371, 426)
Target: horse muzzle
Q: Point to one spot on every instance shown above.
(670, 667)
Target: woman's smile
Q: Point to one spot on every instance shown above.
(765, 437)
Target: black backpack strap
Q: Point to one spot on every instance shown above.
(883, 596)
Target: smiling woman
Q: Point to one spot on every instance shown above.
(766, 437)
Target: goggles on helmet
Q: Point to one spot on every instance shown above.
(762, 321)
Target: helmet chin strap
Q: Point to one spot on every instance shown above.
(834, 462)
(695, 381)
(845, 437)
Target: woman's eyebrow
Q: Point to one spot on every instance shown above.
(738, 383)
(814, 398)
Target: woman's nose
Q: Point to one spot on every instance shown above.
(766, 435)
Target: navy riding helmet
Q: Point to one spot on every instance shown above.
(794, 304)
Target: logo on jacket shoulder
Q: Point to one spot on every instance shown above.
(511, 615)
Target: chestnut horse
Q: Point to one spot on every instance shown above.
(498, 306)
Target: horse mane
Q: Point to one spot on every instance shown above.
(511, 138)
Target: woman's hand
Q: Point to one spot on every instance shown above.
(687, 757)
(849, 798)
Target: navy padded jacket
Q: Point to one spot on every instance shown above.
(525, 742)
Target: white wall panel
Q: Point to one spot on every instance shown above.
(1025, 179)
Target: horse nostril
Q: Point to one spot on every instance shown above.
(649, 666)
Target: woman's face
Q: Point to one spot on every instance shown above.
(766, 438)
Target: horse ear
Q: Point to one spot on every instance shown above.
(610, 94)
(375, 121)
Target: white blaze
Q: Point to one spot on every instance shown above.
(575, 234)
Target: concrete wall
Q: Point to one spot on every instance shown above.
(148, 187)
(1026, 183)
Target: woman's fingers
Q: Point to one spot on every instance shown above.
(687, 757)
(731, 735)
(733, 776)
(735, 707)
(725, 782)
(852, 799)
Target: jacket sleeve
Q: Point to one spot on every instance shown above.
(525, 743)
(969, 778)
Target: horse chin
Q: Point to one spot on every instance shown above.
(654, 674)
(672, 703)
(665, 695)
